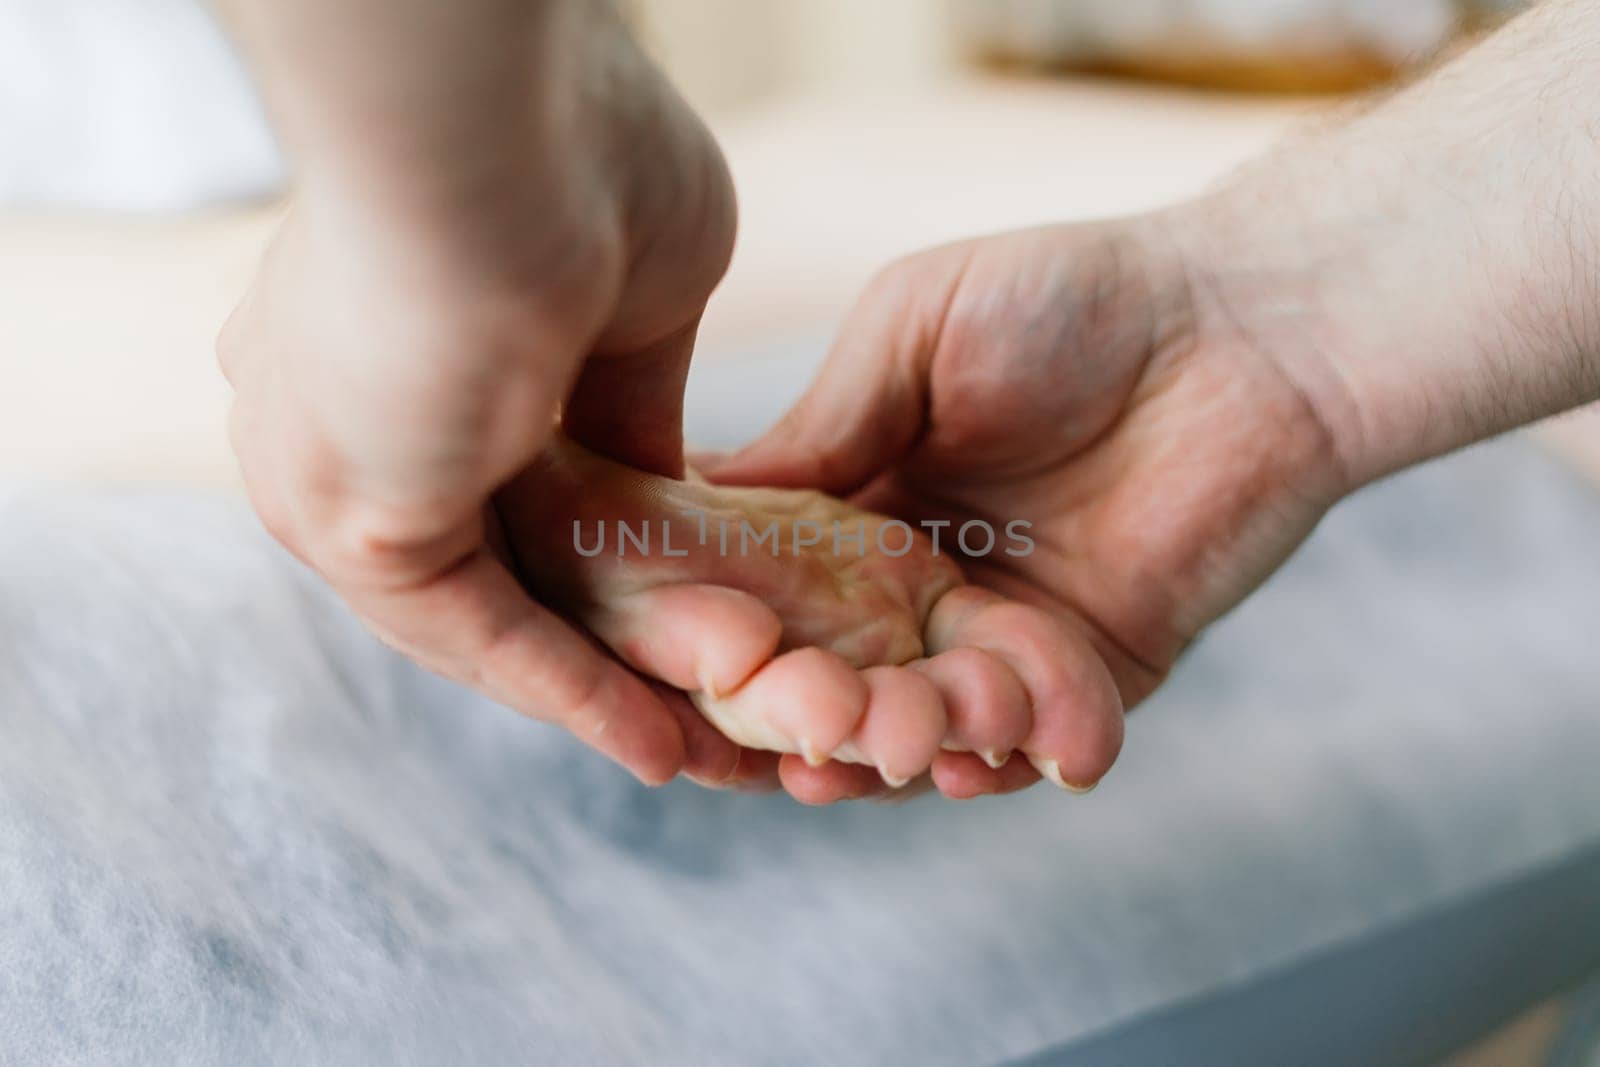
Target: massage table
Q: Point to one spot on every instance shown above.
(1361, 823)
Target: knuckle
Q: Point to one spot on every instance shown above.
(391, 548)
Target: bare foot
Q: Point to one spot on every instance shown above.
(800, 624)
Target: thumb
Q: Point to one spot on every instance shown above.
(629, 407)
(862, 414)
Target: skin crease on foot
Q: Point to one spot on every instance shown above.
(869, 650)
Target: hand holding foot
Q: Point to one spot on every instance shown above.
(1063, 376)
(507, 217)
(803, 625)
(1174, 400)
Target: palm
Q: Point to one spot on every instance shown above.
(1068, 384)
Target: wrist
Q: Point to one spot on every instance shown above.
(487, 182)
(1428, 274)
(425, 113)
(1252, 284)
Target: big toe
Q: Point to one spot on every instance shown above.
(698, 637)
(807, 701)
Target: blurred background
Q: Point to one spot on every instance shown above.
(728, 52)
(138, 181)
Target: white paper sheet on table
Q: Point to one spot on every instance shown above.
(233, 827)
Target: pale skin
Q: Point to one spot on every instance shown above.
(1172, 401)
(540, 220)
(874, 653)
(503, 216)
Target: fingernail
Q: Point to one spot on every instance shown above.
(994, 757)
(1051, 769)
(809, 753)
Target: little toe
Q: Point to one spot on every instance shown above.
(903, 726)
(808, 701)
(987, 706)
(1077, 710)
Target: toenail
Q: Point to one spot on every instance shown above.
(994, 757)
(809, 753)
(892, 781)
(1051, 769)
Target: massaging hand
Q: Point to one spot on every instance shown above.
(1173, 401)
(502, 213)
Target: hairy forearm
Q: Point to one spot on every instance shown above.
(1428, 271)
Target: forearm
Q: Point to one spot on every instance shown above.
(423, 112)
(1428, 272)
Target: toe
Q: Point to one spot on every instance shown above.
(1077, 711)
(987, 705)
(829, 783)
(807, 701)
(903, 725)
(693, 636)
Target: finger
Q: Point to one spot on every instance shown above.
(807, 701)
(630, 407)
(756, 772)
(963, 776)
(1077, 711)
(902, 727)
(829, 783)
(987, 706)
(865, 409)
(708, 757)
(475, 623)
